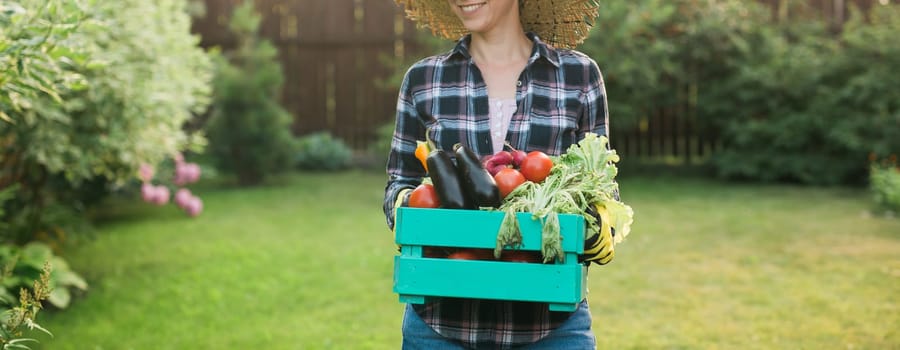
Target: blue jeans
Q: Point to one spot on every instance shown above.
(574, 334)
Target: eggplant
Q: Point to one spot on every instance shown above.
(477, 182)
(446, 182)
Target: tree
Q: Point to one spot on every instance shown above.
(249, 132)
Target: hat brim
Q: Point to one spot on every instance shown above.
(561, 23)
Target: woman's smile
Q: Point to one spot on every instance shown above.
(470, 8)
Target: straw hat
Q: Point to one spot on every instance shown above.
(561, 23)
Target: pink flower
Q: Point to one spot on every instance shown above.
(183, 197)
(161, 196)
(148, 192)
(194, 207)
(186, 173)
(146, 172)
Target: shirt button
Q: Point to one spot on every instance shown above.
(496, 133)
(497, 124)
(499, 103)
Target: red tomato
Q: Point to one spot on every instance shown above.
(507, 180)
(424, 196)
(472, 254)
(536, 166)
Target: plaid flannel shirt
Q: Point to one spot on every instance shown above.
(560, 97)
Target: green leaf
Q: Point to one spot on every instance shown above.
(7, 298)
(621, 217)
(15, 343)
(33, 325)
(65, 279)
(35, 254)
(60, 297)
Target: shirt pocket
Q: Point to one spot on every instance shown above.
(552, 129)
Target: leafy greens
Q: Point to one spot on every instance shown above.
(583, 176)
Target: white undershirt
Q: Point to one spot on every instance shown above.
(501, 112)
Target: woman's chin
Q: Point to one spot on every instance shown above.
(475, 26)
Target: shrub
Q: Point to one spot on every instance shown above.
(815, 105)
(381, 147)
(88, 92)
(884, 182)
(321, 151)
(249, 132)
(790, 101)
(21, 313)
(26, 265)
(95, 103)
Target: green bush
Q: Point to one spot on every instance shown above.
(83, 102)
(88, 92)
(19, 313)
(249, 132)
(789, 101)
(26, 265)
(321, 151)
(381, 147)
(884, 182)
(815, 105)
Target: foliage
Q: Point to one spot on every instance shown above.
(659, 53)
(91, 90)
(790, 101)
(15, 316)
(26, 265)
(816, 105)
(381, 147)
(884, 182)
(249, 132)
(87, 103)
(321, 151)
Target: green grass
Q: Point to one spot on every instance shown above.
(308, 264)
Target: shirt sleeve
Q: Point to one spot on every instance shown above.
(595, 119)
(595, 115)
(404, 170)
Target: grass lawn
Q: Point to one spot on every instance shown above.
(308, 265)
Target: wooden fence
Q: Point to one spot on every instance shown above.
(835, 12)
(332, 54)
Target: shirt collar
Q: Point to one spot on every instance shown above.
(538, 50)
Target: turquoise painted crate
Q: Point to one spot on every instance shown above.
(562, 285)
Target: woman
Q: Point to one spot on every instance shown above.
(506, 80)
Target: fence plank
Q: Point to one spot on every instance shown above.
(330, 54)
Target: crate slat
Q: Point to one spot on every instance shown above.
(478, 229)
(551, 283)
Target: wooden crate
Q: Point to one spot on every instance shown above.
(562, 284)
